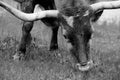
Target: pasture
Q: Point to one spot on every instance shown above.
(41, 64)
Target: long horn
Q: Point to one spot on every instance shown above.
(105, 5)
(29, 16)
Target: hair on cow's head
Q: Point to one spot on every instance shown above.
(80, 15)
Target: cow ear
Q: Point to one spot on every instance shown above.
(97, 15)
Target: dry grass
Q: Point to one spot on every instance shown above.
(41, 64)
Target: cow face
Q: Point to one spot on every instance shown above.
(76, 23)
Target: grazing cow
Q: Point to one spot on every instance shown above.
(28, 6)
(76, 18)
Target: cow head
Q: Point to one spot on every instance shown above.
(77, 30)
(75, 22)
(76, 25)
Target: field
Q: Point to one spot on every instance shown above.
(41, 64)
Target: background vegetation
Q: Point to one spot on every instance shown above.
(41, 64)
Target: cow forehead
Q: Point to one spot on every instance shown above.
(78, 12)
(74, 11)
(81, 18)
(75, 26)
(76, 18)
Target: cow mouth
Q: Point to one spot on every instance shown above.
(88, 66)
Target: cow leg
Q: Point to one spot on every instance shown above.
(26, 28)
(54, 41)
(25, 40)
(26, 36)
(54, 27)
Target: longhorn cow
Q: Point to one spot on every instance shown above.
(76, 18)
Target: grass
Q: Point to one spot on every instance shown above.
(41, 64)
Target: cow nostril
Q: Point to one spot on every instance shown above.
(82, 34)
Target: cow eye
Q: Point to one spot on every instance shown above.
(65, 36)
